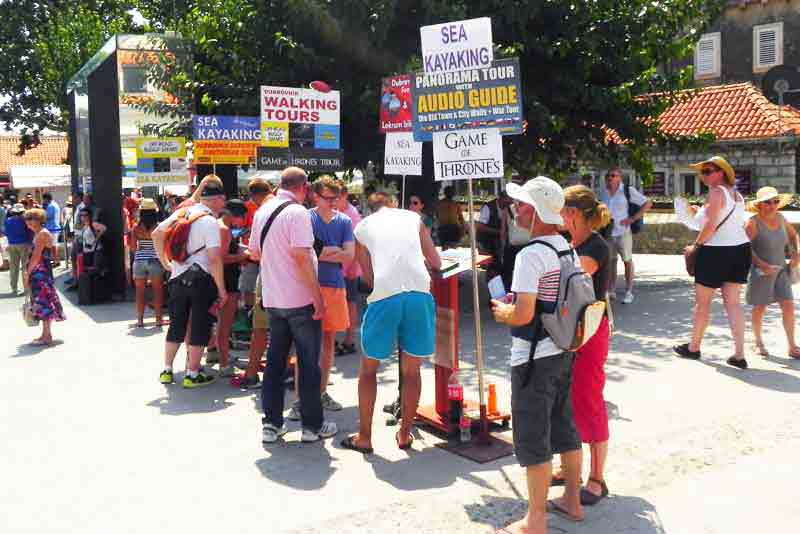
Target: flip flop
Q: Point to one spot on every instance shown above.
(761, 350)
(590, 499)
(406, 446)
(350, 444)
(795, 354)
(40, 343)
(553, 507)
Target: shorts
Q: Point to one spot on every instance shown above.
(541, 410)
(190, 297)
(337, 315)
(147, 269)
(623, 245)
(260, 315)
(407, 319)
(247, 277)
(715, 266)
(588, 382)
(351, 285)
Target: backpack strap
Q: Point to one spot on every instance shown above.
(190, 220)
(559, 253)
(271, 219)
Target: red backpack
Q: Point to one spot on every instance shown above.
(177, 236)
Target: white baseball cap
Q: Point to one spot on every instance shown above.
(545, 195)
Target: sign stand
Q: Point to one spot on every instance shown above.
(483, 435)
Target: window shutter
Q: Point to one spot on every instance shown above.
(707, 56)
(767, 47)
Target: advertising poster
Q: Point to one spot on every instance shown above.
(299, 127)
(468, 154)
(396, 104)
(225, 139)
(403, 155)
(161, 161)
(477, 98)
(454, 46)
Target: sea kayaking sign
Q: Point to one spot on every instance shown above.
(462, 45)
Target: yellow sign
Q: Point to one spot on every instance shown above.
(224, 152)
(160, 147)
(275, 134)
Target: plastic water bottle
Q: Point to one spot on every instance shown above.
(455, 396)
(465, 425)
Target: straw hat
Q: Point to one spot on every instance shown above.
(766, 193)
(720, 162)
(148, 204)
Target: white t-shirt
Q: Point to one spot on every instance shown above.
(537, 270)
(618, 206)
(203, 233)
(398, 266)
(484, 215)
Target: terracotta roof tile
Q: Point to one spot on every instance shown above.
(735, 111)
(51, 151)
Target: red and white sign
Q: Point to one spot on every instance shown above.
(396, 105)
(299, 105)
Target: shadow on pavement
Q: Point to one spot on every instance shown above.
(212, 398)
(281, 466)
(640, 516)
(763, 378)
(32, 350)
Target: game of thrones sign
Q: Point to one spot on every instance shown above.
(468, 154)
(487, 97)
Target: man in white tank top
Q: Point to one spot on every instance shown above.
(392, 248)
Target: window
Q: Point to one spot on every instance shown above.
(657, 186)
(689, 184)
(134, 79)
(767, 46)
(707, 56)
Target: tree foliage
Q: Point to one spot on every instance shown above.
(584, 62)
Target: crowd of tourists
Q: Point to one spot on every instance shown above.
(296, 258)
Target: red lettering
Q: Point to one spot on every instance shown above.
(315, 116)
(304, 116)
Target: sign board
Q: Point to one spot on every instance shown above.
(299, 105)
(161, 161)
(488, 97)
(465, 154)
(466, 44)
(403, 155)
(396, 104)
(310, 160)
(225, 139)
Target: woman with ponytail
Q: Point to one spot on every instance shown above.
(583, 215)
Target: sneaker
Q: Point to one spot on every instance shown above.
(250, 382)
(228, 371)
(166, 377)
(741, 363)
(628, 298)
(270, 433)
(327, 430)
(294, 412)
(329, 404)
(199, 381)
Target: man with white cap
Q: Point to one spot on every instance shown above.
(541, 377)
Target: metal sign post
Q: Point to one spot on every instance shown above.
(483, 435)
(403, 194)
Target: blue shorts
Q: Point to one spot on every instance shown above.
(406, 318)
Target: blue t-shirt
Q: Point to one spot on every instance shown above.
(53, 213)
(333, 234)
(17, 231)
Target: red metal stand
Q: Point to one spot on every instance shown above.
(445, 293)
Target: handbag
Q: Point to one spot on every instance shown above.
(690, 256)
(633, 209)
(27, 312)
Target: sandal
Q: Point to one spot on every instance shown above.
(795, 353)
(350, 443)
(559, 480)
(343, 349)
(590, 499)
(554, 507)
(741, 363)
(761, 350)
(38, 342)
(405, 446)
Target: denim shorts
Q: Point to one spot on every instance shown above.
(147, 269)
(407, 319)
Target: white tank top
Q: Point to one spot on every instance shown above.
(731, 233)
(392, 238)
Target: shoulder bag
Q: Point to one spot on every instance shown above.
(690, 256)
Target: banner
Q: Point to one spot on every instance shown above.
(161, 161)
(225, 139)
(310, 160)
(478, 98)
(396, 104)
(468, 154)
(453, 46)
(296, 104)
(403, 155)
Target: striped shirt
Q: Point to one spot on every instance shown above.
(145, 249)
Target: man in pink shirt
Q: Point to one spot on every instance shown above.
(282, 239)
(352, 272)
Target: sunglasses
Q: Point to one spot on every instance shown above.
(771, 201)
(328, 199)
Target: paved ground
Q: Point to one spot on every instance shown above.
(93, 444)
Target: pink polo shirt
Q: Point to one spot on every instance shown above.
(352, 269)
(282, 286)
